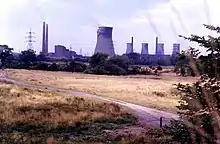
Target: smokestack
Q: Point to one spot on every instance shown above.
(43, 38)
(156, 46)
(46, 40)
(104, 42)
(132, 44)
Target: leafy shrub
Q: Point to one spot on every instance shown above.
(159, 68)
(113, 69)
(53, 67)
(41, 66)
(178, 131)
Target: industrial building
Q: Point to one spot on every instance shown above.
(62, 52)
(104, 42)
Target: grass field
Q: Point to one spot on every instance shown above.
(31, 116)
(152, 91)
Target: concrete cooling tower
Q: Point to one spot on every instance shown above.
(160, 49)
(104, 42)
(176, 48)
(144, 50)
(129, 48)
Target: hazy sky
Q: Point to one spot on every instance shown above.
(75, 22)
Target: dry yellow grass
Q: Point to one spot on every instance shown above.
(151, 91)
(29, 115)
(20, 104)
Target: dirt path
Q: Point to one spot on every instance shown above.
(146, 115)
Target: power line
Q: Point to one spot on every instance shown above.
(30, 41)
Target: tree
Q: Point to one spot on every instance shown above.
(120, 61)
(98, 59)
(41, 57)
(200, 102)
(53, 67)
(5, 54)
(134, 58)
(28, 57)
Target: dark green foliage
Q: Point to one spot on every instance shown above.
(28, 57)
(74, 66)
(53, 67)
(121, 61)
(114, 69)
(116, 65)
(98, 59)
(41, 66)
(134, 58)
(200, 101)
(179, 132)
(41, 57)
(5, 55)
(159, 68)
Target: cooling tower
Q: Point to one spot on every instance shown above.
(129, 48)
(43, 38)
(160, 49)
(104, 42)
(46, 40)
(176, 48)
(144, 50)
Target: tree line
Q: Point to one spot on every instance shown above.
(99, 63)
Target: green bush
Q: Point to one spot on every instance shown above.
(41, 66)
(113, 69)
(178, 131)
(53, 67)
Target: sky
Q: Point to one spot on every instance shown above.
(74, 22)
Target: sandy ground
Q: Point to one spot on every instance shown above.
(150, 91)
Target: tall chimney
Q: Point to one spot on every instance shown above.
(46, 40)
(43, 38)
(132, 44)
(156, 45)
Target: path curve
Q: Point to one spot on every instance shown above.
(146, 115)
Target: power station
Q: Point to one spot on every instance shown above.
(104, 42)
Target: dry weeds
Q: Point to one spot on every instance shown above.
(151, 91)
(29, 115)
